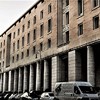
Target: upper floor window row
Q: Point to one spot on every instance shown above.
(95, 4)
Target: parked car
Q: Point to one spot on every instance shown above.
(47, 96)
(18, 96)
(74, 91)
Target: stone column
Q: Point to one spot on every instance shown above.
(4, 82)
(25, 79)
(1, 79)
(31, 78)
(20, 82)
(90, 66)
(15, 80)
(54, 72)
(9, 82)
(38, 76)
(71, 66)
(46, 75)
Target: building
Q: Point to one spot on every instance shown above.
(54, 41)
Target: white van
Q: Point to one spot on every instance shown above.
(74, 91)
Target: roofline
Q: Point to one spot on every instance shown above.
(34, 5)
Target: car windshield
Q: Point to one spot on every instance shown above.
(51, 94)
(87, 89)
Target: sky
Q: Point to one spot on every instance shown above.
(11, 10)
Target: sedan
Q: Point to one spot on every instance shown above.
(47, 96)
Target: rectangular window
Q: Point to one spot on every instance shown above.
(95, 3)
(34, 34)
(13, 35)
(34, 20)
(67, 18)
(0, 55)
(80, 29)
(96, 22)
(41, 46)
(22, 41)
(3, 53)
(28, 24)
(1, 44)
(67, 37)
(13, 47)
(17, 57)
(41, 14)
(13, 59)
(4, 42)
(3, 63)
(17, 44)
(18, 31)
(80, 7)
(22, 55)
(41, 30)
(28, 38)
(49, 8)
(34, 49)
(49, 43)
(67, 2)
(23, 28)
(27, 53)
(49, 25)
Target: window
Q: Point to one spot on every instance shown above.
(28, 38)
(0, 55)
(17, 57)
(18, 44)
(3, 63)
(13, 47)
(34, 49)
(41, 46)
(4, 42)
(80, 29)
(22, 55)
(1, 44)
(14, 35)
(96, 22)
(34, 20)
(34, 34)
(76, 90)
(13, 59)
(95, 3)
(49, 43)
(49, 25)
(27, 53)
(18, 31)
(41, 14)
(23, 28)
(67, 37)
(22, 41)
(3, 53)
(49, 8)
(67, 18)
(80, 7)
(67, 2)
(41, 30)
(28, 24)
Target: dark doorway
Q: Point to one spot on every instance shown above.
(62, 70)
